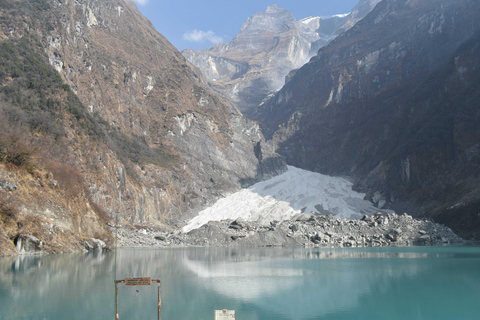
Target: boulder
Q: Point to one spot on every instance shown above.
(238, 224)
(98, 244)
(316, 238)
(394, 235)
(293, 227)
(423, 240)
(94, 245)
(376, 197)
(381, 204)
(305, 217)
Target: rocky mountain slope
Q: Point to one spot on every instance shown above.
(269, 45)
(393, 102)
(103, 118)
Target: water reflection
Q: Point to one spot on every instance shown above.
(35, 286)
(288, 280)
(264, 283)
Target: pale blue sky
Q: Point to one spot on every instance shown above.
(198, 24)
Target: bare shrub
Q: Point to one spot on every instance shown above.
(69, 180)
(8, 213)
(14, 148)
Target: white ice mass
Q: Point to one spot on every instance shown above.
(280, 198)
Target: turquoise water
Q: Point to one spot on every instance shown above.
(268, 283)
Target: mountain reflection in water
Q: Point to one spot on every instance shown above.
(264, 283)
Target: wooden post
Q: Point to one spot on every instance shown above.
(159, 301)
(116, 296)
(159, 298)
(116, 299)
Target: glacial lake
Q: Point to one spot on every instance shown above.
(259, 284)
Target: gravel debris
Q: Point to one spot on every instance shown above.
(308, 230)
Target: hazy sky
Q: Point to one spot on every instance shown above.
(198, 24)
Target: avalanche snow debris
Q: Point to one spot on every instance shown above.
(282, 197)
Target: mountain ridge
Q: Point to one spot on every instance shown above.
(254, 63)
(390, 102)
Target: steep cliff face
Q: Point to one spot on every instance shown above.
(153, 93)
(269, 45)
(358, 13)
(393, 102)
(148, 139)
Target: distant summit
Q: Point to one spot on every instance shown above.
(274, 19)
(275, 8)
(269, 45)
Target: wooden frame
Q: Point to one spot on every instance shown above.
(138, 282)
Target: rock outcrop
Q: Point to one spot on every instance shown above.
(393, 103)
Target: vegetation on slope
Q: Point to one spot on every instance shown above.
(38, 100)
(38, 115)
(33, 97)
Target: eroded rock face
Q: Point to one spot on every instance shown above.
(134, 78)
(393, 103)
(269, 45)
(124, 71)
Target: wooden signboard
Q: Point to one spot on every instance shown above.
(138, 282)
(224, 314)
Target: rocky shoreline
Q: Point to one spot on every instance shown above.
(303, 230)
